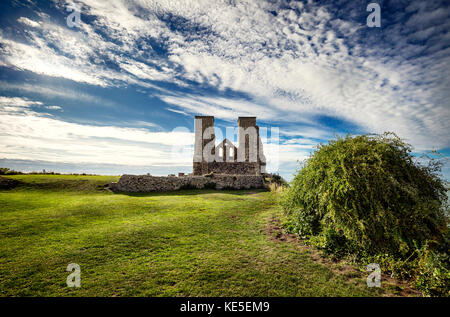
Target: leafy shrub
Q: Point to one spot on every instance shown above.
(8, 183)
(366, 197)
(275, 183)
(276, 178)
(433, 273)
(7, 171)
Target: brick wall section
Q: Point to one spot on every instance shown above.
(147, 183)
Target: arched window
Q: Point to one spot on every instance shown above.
(221, 152)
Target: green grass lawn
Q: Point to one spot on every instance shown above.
(187, 243)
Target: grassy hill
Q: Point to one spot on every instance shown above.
(187, 243)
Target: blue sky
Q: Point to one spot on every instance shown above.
(119, 93)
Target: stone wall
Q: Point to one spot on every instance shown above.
(229, 168)
(147, 183)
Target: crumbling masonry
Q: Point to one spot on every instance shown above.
(246, 159)
(224, 166)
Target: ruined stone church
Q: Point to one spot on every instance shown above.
(245, 159)
(222, 166)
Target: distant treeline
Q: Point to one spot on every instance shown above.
(8, 171)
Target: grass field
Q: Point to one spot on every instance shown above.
(187, 243)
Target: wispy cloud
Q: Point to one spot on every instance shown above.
(28, 22)
(55, 92)
(283, 61)
(29, 135)
(26, 134)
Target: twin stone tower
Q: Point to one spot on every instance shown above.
(225, 158)
(224, 166)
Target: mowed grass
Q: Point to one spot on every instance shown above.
(187, 243)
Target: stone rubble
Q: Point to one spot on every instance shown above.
(147, 183)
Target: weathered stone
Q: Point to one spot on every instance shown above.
(145, 183)
(251, 161)
(219, 174)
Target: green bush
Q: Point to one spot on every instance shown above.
(433, 273)
(277, 179)
(367, 197)
(275, 183)
(7, 171)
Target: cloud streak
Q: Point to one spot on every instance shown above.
(27, 134)
(287, 62)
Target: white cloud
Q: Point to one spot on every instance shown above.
(29, 135)
(17, 102)
(57, 92)
(26, 134)
(223, 108)
(43, 61)
(28, 22)
(293, 66)
(53, 107)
